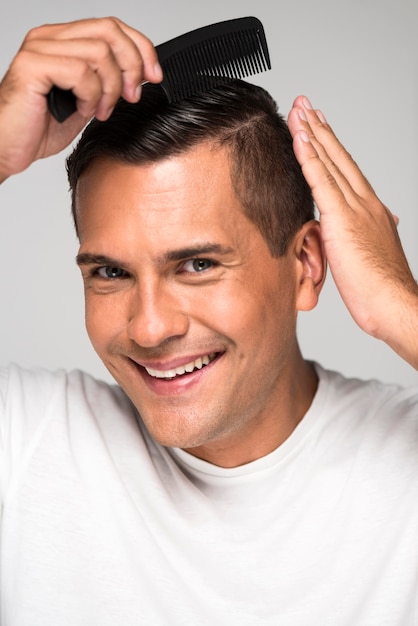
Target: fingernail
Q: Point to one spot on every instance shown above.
(138, 92)
(307, 103)
(158, 71)
(304, 136)
(321, 117)
(302, 115)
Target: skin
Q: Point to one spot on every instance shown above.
(149, 225)
(157, 317)
(99, 59)
(361, 240)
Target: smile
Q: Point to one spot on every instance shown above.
(197, 364)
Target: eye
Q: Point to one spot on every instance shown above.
(197, 265)
(108, 271)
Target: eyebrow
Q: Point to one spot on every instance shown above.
(187, 253)
(87, 258)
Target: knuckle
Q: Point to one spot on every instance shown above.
(147, 41)
(79, 69)
(113, 91)
(329, 180)
(330, 165)
(20, 64)
(343, 154)
(102, 50)
(36, 32)
(136, 68)
(83, 69)
(111, 23)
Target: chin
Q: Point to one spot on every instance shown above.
(183, 432)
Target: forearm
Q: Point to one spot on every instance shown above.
(4, 174)
(401, 332)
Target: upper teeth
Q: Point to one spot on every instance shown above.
(178, 371)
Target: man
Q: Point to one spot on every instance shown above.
(225, 480)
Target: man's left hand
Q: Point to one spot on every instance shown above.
(360, 235)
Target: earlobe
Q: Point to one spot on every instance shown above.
(311, 265)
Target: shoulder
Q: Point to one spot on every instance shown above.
(29, 398)
(38, 386)
(376, 423)
(54, 412)
(366, 396)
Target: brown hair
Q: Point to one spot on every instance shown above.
(243, 117)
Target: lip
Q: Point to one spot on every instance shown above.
(179, 384)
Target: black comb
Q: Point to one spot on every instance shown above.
(197, 61)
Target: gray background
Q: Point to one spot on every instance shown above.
(356, 60)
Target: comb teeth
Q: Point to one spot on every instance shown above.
(215, 60)
(197, 61)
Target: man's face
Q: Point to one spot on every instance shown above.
(184, 303)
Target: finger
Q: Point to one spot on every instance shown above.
(152, 68)
(111, 28)
(294, 120)
(37, 73)
(134, 53)
(332, 196)
(331, 150)
(346, 185)
(326, 192)
(317, 167)
(98, 56)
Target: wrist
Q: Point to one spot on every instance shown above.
(4, 170)
(402, 336)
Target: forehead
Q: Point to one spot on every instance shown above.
(189, 191)
(202, 166)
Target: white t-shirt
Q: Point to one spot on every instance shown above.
(102, 526)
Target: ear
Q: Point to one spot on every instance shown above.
(311, 265)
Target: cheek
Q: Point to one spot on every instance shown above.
(228, 309)
(254, 312)
(269, 322)
(102, 319)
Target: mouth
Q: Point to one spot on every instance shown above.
(187, 368)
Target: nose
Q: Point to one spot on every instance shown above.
(156, 315)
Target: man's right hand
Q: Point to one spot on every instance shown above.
(98, 59)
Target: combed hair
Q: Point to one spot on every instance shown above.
(239, 116)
